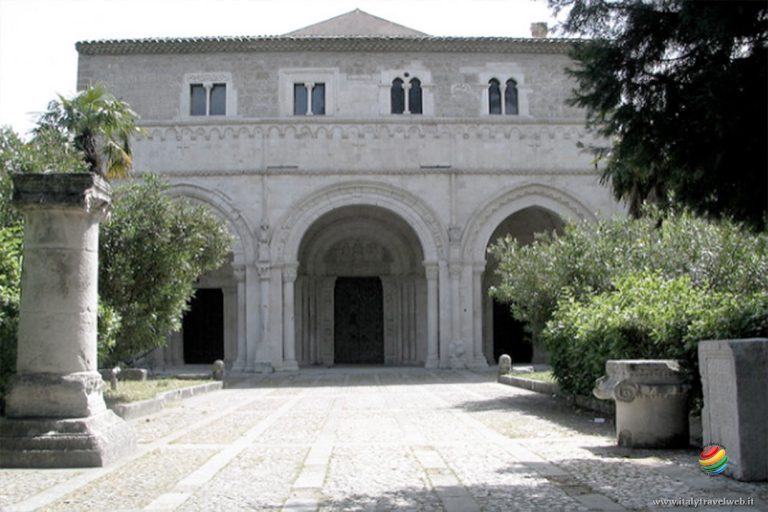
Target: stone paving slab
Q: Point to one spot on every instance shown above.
(377, 439)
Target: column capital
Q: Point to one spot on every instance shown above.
(86, 191)
(455, 268)
(431, 269)
(478, 267)
(290, 271)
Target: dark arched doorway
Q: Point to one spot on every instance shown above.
(502, 333)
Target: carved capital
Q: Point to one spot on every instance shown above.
(455, 269)
(239, 272)
(290, 271)
(431, 270)
(87, 191)
(478, 267)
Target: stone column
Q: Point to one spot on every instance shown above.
(431, 271)
(458, 353)
(289, 338)
(241, 360)
(264, 272)
(56, 416)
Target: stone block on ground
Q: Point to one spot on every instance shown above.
(734, 375)
(133, 374)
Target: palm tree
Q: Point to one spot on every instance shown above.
(97, 124)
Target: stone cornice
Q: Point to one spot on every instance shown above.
(247, 44)
(369, 129)
(297, 171)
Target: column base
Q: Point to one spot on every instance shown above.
(432, 363)
(53, 395)
(479, 363)
(94, 441)
(290, 366)
(260, 368)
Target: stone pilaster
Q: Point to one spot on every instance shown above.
(56, 416)
(478, 358)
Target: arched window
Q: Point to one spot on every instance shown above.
(397, 95)
(414, 96)
(494, 97)
(510, 98)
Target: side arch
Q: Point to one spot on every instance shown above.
(242, 247)
(487, 218)
(419, 216)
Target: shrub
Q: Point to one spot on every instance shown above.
(587, 258)
(646, 316)
(151, 253)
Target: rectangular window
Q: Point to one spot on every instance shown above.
(299, 100)
(318, 99)
(218, 104)
(197, 103)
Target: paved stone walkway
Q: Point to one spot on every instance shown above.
(377, 439)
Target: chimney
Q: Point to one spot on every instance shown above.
(539, 29)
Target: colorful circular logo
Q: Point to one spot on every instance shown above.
(713, 459)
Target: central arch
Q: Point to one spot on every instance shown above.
(412, 209)
(360, 291)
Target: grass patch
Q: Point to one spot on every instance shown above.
(540, 376)
(136, 390)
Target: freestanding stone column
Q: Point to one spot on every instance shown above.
(56, 416)
(734, 378)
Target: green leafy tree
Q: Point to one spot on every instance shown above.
(679, 89)
(151, 253)
(98, 125)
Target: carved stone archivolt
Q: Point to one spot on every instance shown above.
(411, 209)
(221, 206)
(487, 218)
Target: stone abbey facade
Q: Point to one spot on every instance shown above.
(363, 169)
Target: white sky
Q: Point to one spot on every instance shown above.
(37, 37)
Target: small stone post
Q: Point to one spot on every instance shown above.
(734, 378)
(651, 402)
(217, 371)
(505, 364)
(56, 416)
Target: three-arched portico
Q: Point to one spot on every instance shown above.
(281, 287)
